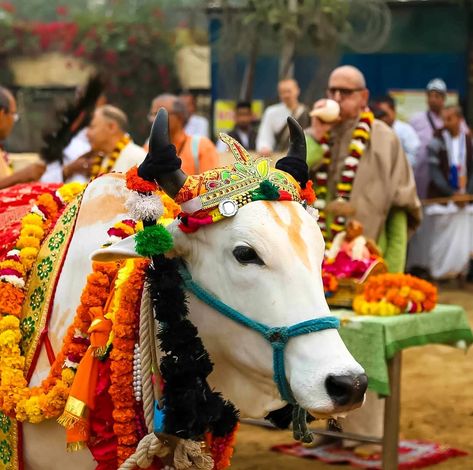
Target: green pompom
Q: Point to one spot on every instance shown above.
(267, 191)
(154, 240)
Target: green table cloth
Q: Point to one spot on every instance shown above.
(375, 340)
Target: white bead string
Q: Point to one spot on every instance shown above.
(137, 389)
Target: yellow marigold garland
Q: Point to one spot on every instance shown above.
(16, 398)
(393, 294)
(98, 167)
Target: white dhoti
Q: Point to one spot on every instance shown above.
(444, 243)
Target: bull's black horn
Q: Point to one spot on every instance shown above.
(297, 146)
(162, 163)
(294, 162)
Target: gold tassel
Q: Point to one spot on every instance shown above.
(74, 411)
(100, 352)
(67, 420)
(75, 446)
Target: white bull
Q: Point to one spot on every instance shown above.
(284, 290)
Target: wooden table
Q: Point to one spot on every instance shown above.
(381, 357)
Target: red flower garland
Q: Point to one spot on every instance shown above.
(134, 182)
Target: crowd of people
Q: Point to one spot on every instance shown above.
(430, 158)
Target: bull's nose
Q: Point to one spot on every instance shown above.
(346, 389)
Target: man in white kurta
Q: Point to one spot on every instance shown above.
(106, 130)
(273, 133)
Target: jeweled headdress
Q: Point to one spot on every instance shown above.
(219, 193)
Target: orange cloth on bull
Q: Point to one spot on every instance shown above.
(82, 394)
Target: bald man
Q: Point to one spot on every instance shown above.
(273, 134)
(197, 152)
(8, 117)
(383, 179)
(108, 137)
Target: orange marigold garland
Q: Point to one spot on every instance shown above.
(393, 294)
(124, 314)
(134, 182)
(221, 448)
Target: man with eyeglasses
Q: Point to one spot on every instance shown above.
(383, 179)
(8, 117)
(376, 183)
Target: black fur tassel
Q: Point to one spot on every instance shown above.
(191, 407)
(71, 120)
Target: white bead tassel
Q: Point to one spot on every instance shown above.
(137, 390)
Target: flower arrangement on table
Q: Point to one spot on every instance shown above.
(393, 294)
(349, 262)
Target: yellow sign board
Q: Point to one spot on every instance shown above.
(224, 112)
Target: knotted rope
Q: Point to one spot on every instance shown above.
(148, 448)
(147, 346)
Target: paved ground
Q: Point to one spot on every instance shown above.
(437, 405)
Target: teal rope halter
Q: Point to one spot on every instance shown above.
(278, 337)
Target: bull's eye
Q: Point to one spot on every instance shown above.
(247, 255)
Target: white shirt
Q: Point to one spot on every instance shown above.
(456, 151)
(197, 125)
(130, 156)
(409, 140)
(273, 120)
(78, 146)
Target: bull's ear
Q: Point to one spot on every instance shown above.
(122, 249)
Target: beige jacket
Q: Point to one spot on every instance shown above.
(384, 179)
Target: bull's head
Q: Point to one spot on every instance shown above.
(266, 262)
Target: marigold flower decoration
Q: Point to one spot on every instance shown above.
(359, 141)
(393, 294)
(16, 399)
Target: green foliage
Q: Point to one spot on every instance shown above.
(318, 18)
(133, 52)
(154, 240)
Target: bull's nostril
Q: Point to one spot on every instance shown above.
(346, 389)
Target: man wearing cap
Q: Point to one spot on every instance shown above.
(425, 124)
